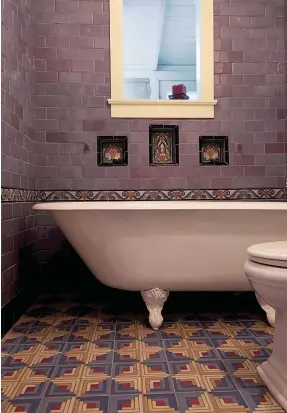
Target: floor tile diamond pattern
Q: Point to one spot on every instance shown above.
(68, 356)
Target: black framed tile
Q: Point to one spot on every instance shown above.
(213, 150)
(112, 150)
(163, 145)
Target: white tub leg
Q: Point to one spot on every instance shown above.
(155, 299)
(270, 311)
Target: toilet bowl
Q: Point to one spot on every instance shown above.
(266, 269)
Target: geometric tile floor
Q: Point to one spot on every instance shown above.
(68, 356)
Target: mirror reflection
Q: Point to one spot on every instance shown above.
(160, 47)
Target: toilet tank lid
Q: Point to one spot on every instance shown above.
(269, 250)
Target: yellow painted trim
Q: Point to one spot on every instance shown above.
(173, 103)
(124, 108)
(161, 109)
(207, 50)
(116, 49)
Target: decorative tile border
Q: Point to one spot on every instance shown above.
(261, 194)
(48, 196)
(197, 194)
(18, 195)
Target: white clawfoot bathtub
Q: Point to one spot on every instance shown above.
(161, 246)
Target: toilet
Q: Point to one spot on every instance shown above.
(266, 269)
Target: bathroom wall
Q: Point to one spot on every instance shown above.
(18, 136)
(52, 117)
(73, 84)
(285, 24)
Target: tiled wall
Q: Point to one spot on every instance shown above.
(19, 234)
(53, 114)
(73, 53)
(17, 137)
(73, 84)
(18, 111)
(285, 23)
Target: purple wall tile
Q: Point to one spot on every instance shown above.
(249, 79)
(55, 105)
(19, 232)
(18, 134)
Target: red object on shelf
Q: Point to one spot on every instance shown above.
(178, 89)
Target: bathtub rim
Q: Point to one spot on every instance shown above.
(246, 205)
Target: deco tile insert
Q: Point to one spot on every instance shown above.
(112, 150)
(163, 145)
(213, 150)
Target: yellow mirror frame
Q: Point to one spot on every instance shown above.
(172, 109)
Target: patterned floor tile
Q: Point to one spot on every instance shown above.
(14, 363)
(104, 356)
(7, 349)
(184, 368)
(149, 369)
(231, 353)
(249, 382)
(126, 385)
(229, 402)
(151, 342)
(260, 400)
(35, 374)
(27, 390)
(74, 354)
(239, 367)
(203, 354)
(126, 369)
(23, 406)
(126, 403)
(223, 402)
(12, 338)
(57, 404)
(211, 367)
(157, 385)
(62, 388)
(175, 343)
(94, 387)
(195, 401)
(194, 333)
(97, 404)
(266, 342)
(23, 326)
(3, 358)
(202, 342)
(70, 371)
(177, 355)
(189, 383)
(123, 355)
(218, 383)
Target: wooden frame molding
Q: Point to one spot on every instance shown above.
(162, 109)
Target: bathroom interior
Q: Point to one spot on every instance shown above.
(144, 206)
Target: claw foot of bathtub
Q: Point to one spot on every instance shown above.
(154, 300)
(270, 311)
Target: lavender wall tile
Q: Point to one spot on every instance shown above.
(249, 77)
(18, 136)
(56, 106)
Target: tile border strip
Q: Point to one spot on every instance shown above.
(257, 194)
(18, 195)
